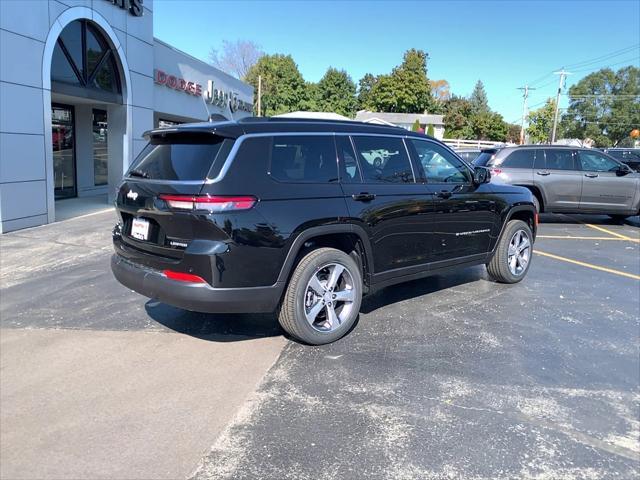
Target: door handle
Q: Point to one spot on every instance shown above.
(443, 194)
(543, 173)
(591, 175)
(363, 196)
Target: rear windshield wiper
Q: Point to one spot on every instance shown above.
(138, 173)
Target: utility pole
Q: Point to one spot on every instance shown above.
(562, 74)
(525, 95)
(259, 94)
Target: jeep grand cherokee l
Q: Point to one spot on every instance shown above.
(567, 179)
(305, 217)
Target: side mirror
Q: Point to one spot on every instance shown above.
(481, 175)
(623, 170)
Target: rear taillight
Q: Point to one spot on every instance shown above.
(209, 203)
(183, 277)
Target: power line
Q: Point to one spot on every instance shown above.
(633, 59)
(605, 56)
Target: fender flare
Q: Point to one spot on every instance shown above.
(516, 208)
(312, 232)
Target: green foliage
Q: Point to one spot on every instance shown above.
(457, 118)
(478, 99)
(541, 122)
(311, 100)
(489, 126)
(513, 133)
(416, 126)
(283, 88)
(604, 106)
(430, 131)
(365, 85)
(406, 89)
(337, 93)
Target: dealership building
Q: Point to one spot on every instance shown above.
(80, 83)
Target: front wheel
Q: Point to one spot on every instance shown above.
(512, 258)
(323, 297)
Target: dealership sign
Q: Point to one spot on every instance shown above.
(134, 6)
(214, 96)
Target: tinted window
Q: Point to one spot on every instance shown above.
(627, 155)
(179, 157)
(596, 162)
(349, 171)
(559, 160)
(383, 160)
(484, 159)
(469, 157)
(519, 159)
(439, 164)
(304, 159)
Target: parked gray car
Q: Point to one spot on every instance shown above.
(567, 179)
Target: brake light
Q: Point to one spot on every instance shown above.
(183, 277)
(210, 203)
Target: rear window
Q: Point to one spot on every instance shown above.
(383, 160)
(519, 159)
(304, 159)
(181, 157)
(559, 159)
(485, 157)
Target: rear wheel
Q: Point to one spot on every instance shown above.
(512, 258)
(323, 297)
(536, 203)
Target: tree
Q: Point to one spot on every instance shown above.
(489, 126)
(513, 133)
(236, 58)
(478, 98)
(365, 85)
(604, 106)
(457, 118)
(283, 88)
(406, 89)
(337, 93)
(541, 122)
(430, 131)
(311, 99)
(440, 89)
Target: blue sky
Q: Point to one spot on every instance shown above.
(503, 43)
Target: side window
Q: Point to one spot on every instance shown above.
(440, 165)
(520, 159)
(304, 159)
(560, 159)
(383, 160)
(594, 162)
(349, 171)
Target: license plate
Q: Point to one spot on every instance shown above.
(140, 229)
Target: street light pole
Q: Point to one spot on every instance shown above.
(562, 74)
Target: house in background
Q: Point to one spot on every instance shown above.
(404, 120)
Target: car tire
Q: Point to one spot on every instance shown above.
(619, 218)
(512, 257)
(310, 310)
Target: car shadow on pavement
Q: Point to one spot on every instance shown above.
(417, 288)
(576, 219)
(227, 327)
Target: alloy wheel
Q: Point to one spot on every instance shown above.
(329, 297)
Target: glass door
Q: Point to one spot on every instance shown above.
(100, 152)
(64, 158)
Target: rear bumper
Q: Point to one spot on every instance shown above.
(197, 297)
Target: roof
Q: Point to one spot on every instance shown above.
(396, 118)
(313, 115)
(249, 125)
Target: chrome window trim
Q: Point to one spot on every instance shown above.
(241, 139)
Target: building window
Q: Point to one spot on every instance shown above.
(100, 152)
(83, 57)
(64, 161)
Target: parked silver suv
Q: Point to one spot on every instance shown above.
(567, 179)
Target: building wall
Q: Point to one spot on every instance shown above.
(28, 31)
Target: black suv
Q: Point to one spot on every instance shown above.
(303, 217)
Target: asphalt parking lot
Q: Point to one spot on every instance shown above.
(447, 377)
